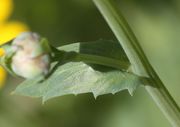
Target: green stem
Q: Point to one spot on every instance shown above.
(88, 58)
(102, 61)
(140, 63)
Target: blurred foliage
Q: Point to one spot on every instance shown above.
(157, 26)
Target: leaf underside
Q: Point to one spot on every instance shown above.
(79, 77)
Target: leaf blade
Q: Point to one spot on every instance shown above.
(79, 77)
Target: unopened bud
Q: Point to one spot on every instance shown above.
(31, 55)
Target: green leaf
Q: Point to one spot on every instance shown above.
(6, 60)
(105, 48)
(68, 77)
(76, 78)
(101, 52)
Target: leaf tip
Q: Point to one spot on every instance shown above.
(95, 95)
(131, 92)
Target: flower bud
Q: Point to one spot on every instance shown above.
(31, 56)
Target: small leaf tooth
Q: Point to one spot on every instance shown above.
(75, 94)
(131, 91)
(95, 95)
(113, 92)
(44, 100)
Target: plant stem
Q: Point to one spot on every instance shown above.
(88, 58)
(140, 63)
(109, 62)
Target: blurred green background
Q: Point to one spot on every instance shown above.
(156, 23)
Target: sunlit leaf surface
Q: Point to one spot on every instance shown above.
(80, 77)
